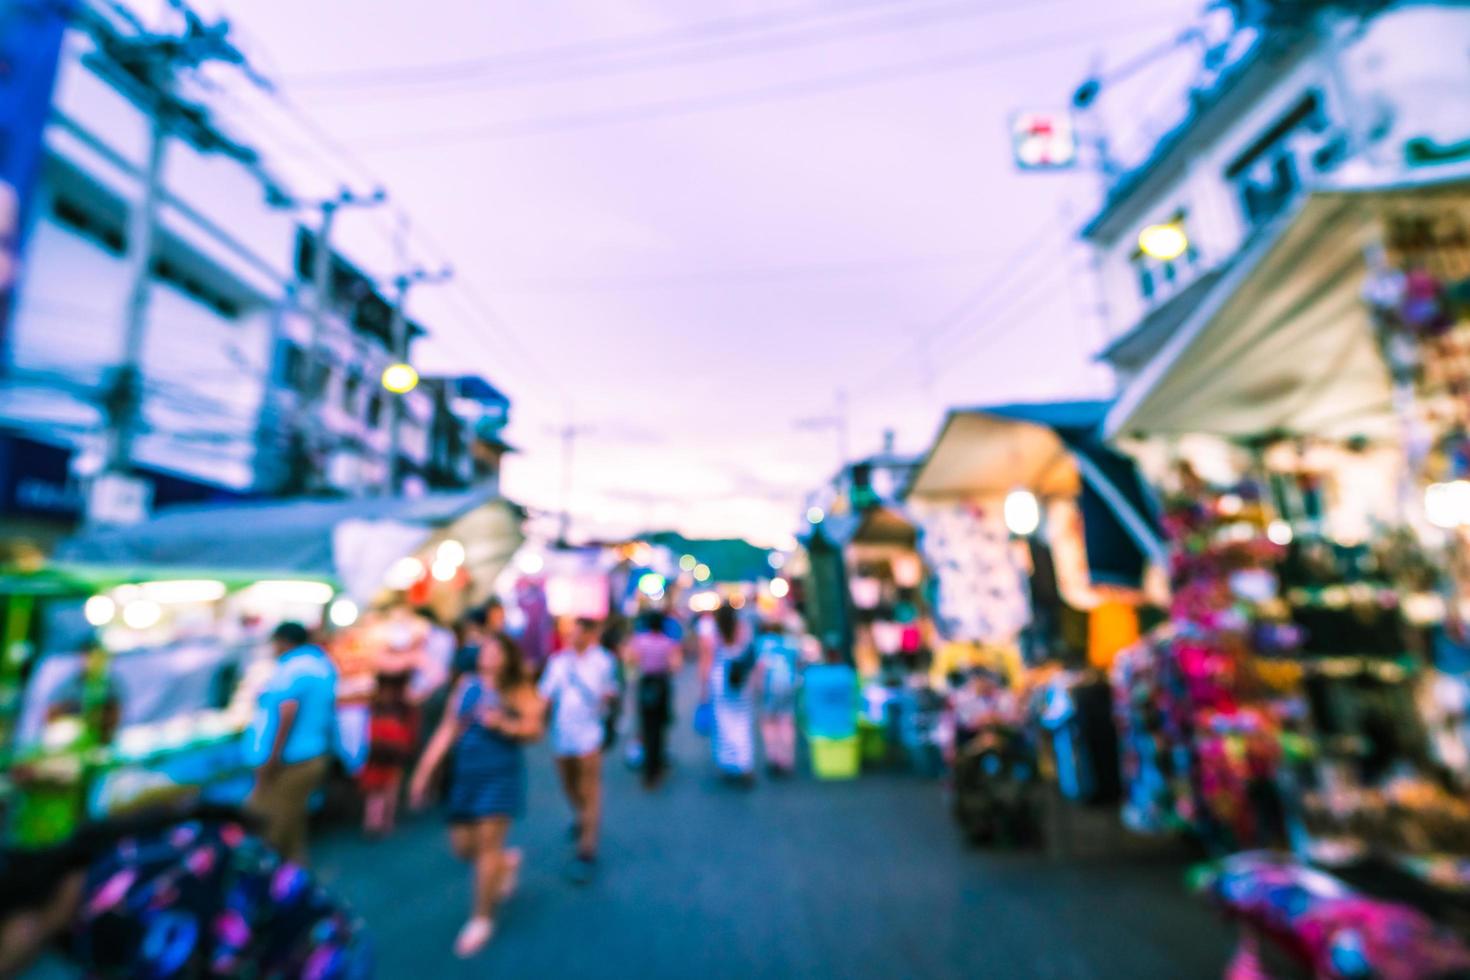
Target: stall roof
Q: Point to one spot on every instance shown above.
(63, 579)
(993, 450)
(729, 559)
(338, 539)
(1283, 343)
(874, 526)
(1051, 449)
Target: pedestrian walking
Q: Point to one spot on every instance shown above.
(174, 894)
(580, 688)
(495, 712)
(728, 665)
(393, 729)
(656, 656)
(777, 652)
(292, 737)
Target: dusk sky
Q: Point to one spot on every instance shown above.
(687, 226)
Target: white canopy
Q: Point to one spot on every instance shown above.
(1283, 343)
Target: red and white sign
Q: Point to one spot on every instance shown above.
(1044, 140)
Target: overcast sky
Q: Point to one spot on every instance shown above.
(685, 226)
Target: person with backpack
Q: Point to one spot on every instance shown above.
(728, 668)
(777, 654)
(580, 688)
(656, 656)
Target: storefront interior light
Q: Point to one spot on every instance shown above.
(737, 601)
(701, 572)
(400, 378)
(780, 588)
(450, 552)
(142, 614)
(343, 612)
(1164, 242)
(1279, 533)
(703, 602)
(100, 610)
(1022, 513)
(444, 571)
(183, 591)
(296, 591)
(1447, 505)
(404, 574)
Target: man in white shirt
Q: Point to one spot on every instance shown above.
(579, 687)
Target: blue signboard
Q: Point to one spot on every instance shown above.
(30, 47)
(830, 693)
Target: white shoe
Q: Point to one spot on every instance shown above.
(473, 937)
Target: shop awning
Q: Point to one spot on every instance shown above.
(353, 542)
(1282, 342)
(1053, 449)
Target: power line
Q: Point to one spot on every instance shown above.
(710, 53)
(698, 31)
(961, 313)
(805, 88)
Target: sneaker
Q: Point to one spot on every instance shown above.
(582, 870)
(473, 937)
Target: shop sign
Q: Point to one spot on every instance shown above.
(118, 499)
(1044, 140)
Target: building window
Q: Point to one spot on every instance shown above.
(375, 410)
(1268, 175)
(292, 367)
(89, 224)
(351, 390)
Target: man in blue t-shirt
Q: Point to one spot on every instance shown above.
(292, 737)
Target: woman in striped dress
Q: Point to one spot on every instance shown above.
(495, 711)
(730, 664)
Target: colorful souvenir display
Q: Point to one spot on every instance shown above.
(1326, 926)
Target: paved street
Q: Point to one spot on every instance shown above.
(798, 879)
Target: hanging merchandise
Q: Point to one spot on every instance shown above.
(981, 592)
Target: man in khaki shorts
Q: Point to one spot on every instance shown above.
(292, 738)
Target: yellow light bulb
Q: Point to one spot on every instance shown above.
(1163, 242)
(400, 378)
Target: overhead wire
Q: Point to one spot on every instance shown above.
(683, 34)
(741, 98)
(709, 53)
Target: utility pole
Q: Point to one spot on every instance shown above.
(321, 307)
(569, 434)
(838, 422)
(148, 63)
(398, 333)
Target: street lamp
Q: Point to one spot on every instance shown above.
(400, 378)
(1164, 242)
(1022, 513)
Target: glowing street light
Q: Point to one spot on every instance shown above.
(343, 612)
(701, 573)
(1164, 242)
(400, 378)
(688, 562)
(1022, 512)
(815, 515)
(780, 588)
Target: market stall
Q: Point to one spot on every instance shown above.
(120, 686)
(1309, 422)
